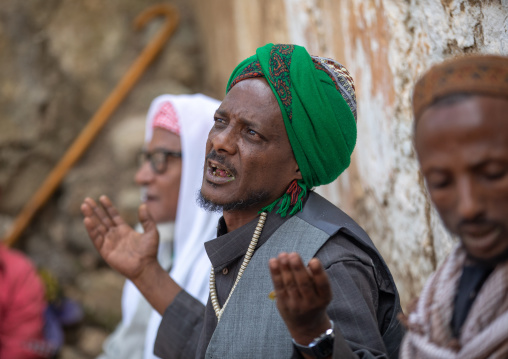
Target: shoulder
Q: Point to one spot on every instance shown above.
(15, 263)
(347, 240)
(327, 217)
(19, 274)
(341, 247)
(22, 284)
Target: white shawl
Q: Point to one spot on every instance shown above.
(193, 226)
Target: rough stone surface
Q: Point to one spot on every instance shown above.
(97, 290)
(59, 60)
(91, 341)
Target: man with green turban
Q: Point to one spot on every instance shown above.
(286, 125)
(317, 100)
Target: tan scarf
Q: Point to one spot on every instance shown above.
(485, 331)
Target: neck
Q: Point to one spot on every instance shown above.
(490, 262)
(236, 219)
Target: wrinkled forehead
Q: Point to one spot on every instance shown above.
(252, 101)
(164, 139)
(465, 110)
(463, 122)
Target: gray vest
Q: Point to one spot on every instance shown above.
(251, 325)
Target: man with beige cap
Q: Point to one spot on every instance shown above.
(461, 138)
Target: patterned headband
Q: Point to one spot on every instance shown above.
(341, 77)
(470, 74)
(166, 118)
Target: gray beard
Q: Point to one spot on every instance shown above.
(251, 200)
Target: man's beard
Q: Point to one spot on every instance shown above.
(251, 200)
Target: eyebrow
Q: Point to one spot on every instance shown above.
(488, 161)
(164, 149)
(474, 166)
(243, 120)
(221, 112)
(433, 169)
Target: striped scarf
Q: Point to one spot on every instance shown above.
(485, 331)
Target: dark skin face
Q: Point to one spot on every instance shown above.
(254, 155)
(463, 153)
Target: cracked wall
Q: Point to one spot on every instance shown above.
(386, 45)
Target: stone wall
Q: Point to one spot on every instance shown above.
(59, 60)
(386, 45)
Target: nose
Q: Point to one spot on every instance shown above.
(144, 175)
(469, 204)
(223, 141)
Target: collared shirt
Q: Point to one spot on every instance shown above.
(471, 281)
(361, 308)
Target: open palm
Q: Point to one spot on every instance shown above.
(124, 249)
(303, 294)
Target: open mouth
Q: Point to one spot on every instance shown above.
(219, 174)
(146, 196)
(481, 237)
(151, 198)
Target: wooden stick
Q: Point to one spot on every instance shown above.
(100, 118)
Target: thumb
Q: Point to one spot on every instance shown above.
(145, 219)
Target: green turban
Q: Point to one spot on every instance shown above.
(318, 104)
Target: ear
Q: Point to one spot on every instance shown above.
(298, 174)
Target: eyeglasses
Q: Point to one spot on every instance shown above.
(158, 159)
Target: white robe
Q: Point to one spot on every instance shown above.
(134, 337)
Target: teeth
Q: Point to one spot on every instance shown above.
(215, 168)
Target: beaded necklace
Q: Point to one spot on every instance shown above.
(250, 251)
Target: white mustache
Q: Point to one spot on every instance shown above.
(143, 194)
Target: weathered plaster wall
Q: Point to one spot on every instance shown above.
(407, 38)
(386, 44)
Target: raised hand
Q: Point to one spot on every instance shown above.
(124, 249)
(302, 295)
